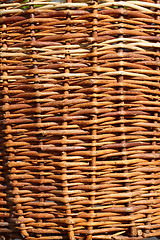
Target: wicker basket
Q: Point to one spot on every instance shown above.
(80, 139)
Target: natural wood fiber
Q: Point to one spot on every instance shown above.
(79, 108)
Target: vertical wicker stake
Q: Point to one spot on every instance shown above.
(9, 150)
(3, 173)
(64, 138)
(131, 230)
(151, 206)
(38, 119)
(5, 91)
(94, 118)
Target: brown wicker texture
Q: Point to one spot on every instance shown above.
(80, 122)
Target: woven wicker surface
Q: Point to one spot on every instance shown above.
(80, 120)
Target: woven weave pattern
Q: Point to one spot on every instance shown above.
(79, 108)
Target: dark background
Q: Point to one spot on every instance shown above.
(153, 238)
